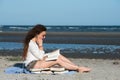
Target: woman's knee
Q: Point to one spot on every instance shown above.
(60, 57)
(59, 60)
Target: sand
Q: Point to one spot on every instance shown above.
(102, 69)
(108, 38)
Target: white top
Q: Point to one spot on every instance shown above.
(34, 53)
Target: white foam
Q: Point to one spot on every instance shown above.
(20, 28)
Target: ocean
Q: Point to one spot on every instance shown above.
(67, 28)
(69, 48)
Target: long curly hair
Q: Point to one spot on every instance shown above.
(37, 29)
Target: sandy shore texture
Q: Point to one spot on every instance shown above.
(68, 37)
(102, 69)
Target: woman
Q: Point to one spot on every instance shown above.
(34, 54)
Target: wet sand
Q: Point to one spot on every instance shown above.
(109, 38)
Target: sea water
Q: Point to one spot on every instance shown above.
(82, 48)
(65, 28)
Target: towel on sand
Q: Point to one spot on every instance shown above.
(20, 68)
(16, 69)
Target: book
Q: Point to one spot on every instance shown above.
(40, 69)
(42, 72)
(53, 55)
(46, 72)
(50, 72)
(62, 72)
(57, 68)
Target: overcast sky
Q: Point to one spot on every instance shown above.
(60, 12)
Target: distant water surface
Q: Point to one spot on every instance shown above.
(82, 48)
(67, 28)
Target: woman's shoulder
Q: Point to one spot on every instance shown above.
(32, 45)
(32, 42)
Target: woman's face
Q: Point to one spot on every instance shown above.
(42, 35)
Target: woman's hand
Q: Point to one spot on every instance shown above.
(39, 43)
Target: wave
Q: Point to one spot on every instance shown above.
(21, 28)
(64, 28)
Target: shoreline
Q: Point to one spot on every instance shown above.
(108, 38)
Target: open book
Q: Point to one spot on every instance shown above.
(53, 55)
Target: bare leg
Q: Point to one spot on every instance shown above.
(65, 59)
(80, 69)
(46, 64)
(67, 65)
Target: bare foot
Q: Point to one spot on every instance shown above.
(83, 69)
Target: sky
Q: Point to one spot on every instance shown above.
(60, 12)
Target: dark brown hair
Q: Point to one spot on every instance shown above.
(37, 29)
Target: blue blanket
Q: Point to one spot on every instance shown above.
(20, 68)
(16, 69)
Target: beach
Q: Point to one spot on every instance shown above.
(104, 66)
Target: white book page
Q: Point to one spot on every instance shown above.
(53, 55)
